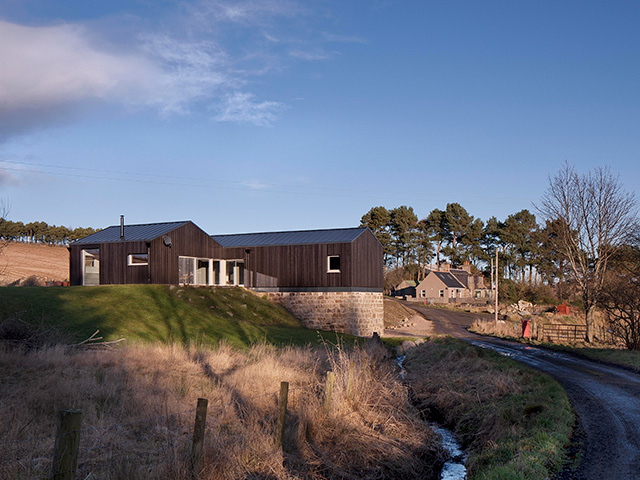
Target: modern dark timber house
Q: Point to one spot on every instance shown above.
(330, 279)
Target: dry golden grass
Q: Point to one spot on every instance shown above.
(19, 261)
(138, 408)
(503, 328)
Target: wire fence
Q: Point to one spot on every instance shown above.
(119, 450)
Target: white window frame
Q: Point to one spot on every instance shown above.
(329, 270)
(130, 260)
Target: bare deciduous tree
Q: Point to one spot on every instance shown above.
(596, 215)
(620, 297)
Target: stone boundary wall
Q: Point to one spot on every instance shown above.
(356, 313)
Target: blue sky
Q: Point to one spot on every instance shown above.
(280, 115)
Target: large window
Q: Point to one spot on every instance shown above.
(206, 271)
(202, 271)
(91, 266)
(186, 270)
(234, 272)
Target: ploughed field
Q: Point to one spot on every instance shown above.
(20, 261)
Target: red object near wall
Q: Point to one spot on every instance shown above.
(526, 333)
(562, 309)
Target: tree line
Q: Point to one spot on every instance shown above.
(527, 250)
(589, 242)
(41, 232)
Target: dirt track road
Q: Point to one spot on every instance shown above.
(605, 398)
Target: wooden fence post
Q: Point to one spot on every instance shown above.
(198, 437)
(328, 390)
(282, 412)
(65, 450)
(350, 379)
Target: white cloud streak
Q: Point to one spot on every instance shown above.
(242, 108)
(49, 73)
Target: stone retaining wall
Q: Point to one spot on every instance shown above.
(357, 313)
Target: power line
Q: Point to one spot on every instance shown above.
(204, 182)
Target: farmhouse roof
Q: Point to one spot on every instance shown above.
(132, 233)
(448, 279)
(300, 237)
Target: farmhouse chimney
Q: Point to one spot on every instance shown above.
(121, 227)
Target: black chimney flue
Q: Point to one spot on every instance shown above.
(121, 227)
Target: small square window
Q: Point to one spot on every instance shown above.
(423, 293)
(333, 264)
(138, 259)
(441, 293)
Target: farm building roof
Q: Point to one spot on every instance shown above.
(132, 233)
(448, 279)
(301, 237)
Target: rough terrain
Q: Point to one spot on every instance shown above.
(605, 398)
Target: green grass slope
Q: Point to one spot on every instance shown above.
(157, 313)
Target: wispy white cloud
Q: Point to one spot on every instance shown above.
(248, 12)
(256, 185)
(242, 107)
(188, 72)
(13, 175)
(8, 178)
(311, 56)
(208, 55)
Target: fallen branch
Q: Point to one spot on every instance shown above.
(93, 341)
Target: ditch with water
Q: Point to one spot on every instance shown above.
(453, 468)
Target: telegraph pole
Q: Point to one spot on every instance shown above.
(496, 319)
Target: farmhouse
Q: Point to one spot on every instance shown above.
(330, 279)
(439, 287)
(452, 285)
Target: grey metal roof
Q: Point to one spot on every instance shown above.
(301, 237)
(449, 280)
(132, 233)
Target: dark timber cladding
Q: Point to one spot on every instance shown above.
(163, 243)
(347, 259)
(299, 260)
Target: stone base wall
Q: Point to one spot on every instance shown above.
(356, 313)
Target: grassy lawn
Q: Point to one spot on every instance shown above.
(513, 421)
(159, 313)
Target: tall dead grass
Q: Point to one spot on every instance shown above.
(138, 406)
(503, 328)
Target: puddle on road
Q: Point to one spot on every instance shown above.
(454, 468)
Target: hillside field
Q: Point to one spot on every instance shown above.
(19, 261)
(155, 313)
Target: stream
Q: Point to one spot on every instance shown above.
(453, 468)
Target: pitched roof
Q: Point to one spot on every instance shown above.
(300, 237)
(132, 233)
(462, 277)
(448, 279)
